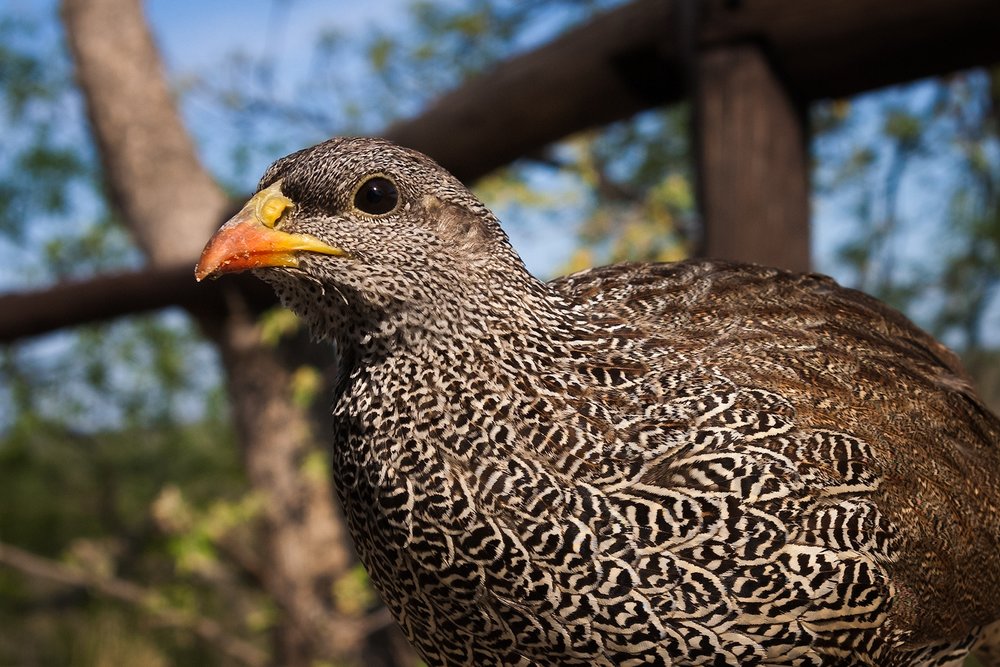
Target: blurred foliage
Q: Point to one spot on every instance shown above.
(916, 171)
(101, 427)
(641, 204)
(99, 501)
(116, 453)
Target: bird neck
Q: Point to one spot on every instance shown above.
(492, 313)
(445, 379)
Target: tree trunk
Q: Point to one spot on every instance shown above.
(171, 205)
(753, 167)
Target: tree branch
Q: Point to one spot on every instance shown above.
(125, 591)
(612, 67)
(75, 303)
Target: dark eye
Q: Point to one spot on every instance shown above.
(376, 196)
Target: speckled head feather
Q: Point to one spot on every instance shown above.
(438, 241)
(692, 464)
(444, 210)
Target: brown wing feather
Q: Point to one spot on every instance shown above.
(848, 363)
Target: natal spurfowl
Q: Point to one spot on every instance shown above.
(700, 463)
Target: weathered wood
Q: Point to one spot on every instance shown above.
(753, 167)
(628, 60)
(831, 49)
(615, 65)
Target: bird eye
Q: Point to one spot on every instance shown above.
(376, 196)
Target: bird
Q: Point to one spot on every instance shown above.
(693, 463)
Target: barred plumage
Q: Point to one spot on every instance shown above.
(692, 464)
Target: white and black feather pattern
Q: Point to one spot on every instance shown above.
(690, 464)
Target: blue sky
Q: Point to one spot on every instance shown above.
(195, 35)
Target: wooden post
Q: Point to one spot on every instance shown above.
(752, 161)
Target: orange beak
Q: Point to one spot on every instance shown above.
(250, 241)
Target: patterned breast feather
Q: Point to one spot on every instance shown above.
(722, 465)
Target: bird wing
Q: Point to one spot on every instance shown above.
(850, 420)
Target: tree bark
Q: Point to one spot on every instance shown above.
(166, 197)
(308, 549)
(171, 205)
(753, 165)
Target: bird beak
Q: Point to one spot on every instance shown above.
(250, 241)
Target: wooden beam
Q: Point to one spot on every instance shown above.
(610, 68)
(829, 49)
(627, 60)
(752, 162)
(104, 297)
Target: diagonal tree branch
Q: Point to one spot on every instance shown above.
(617, 64)
(125, 591)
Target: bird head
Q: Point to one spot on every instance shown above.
(378, 222)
